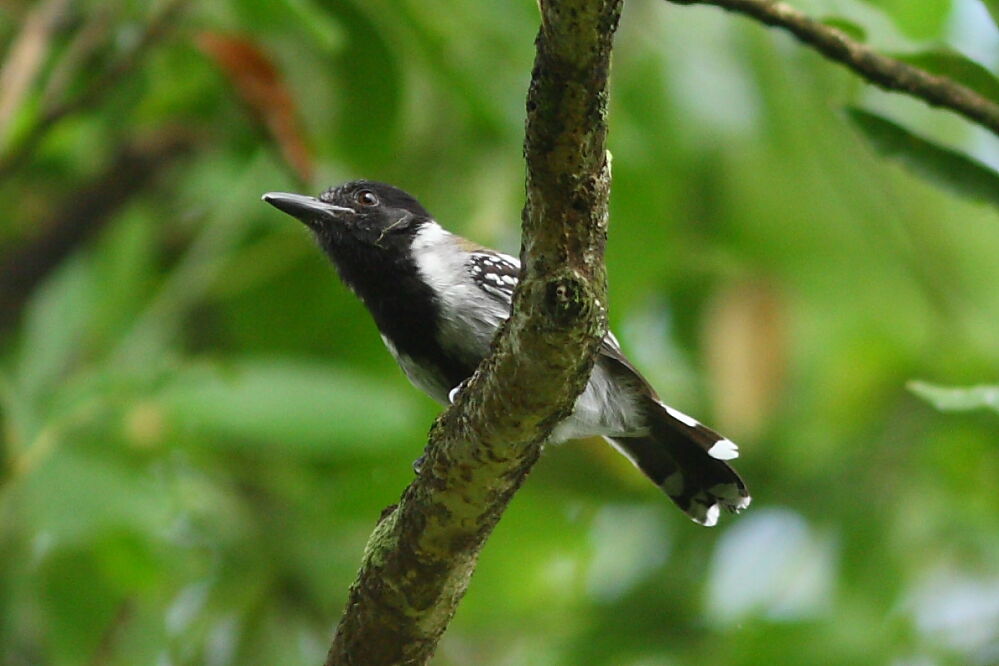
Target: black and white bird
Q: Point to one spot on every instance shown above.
(438, 299)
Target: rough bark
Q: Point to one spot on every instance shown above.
(419, 560)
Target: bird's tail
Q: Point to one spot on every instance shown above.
(687, 460)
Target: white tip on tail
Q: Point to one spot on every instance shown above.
(724, 449)
(710, 516)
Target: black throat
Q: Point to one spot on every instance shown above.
(404, 307)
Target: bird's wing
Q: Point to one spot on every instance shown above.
(494, 273)
(497, 274)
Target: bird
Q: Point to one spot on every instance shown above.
(438, 300)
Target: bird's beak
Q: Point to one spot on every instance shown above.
(309, 210)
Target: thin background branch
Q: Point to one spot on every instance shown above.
(25, 59)
(880, 70)
(97, 88)
(82, 212)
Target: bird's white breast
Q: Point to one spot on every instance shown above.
(467, 320)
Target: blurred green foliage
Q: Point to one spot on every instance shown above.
(200, 426)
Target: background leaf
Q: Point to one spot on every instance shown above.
(920, 20)
(993, 7)
(850, 28)
(956, 66)
(368, 94)
(291, 407)
(55, 327)
(946, 168)
(952, 399)
(262, 88)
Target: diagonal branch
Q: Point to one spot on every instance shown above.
(880, 70)
(419, 560)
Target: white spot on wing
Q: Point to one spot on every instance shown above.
(724, 449)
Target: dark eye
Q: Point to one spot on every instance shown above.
(366, 198)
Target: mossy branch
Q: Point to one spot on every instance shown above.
(419, 560)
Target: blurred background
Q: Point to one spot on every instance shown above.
(200, 424)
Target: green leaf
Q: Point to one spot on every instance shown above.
(80, 604)
(369, 91)
(126, 258)
(75, 496)
(954, 65)
(293, 407)
(954, 399)
(56, 318)
(993, 7)
(919, 20)
(310, 19)
(947, 168)
(853, 30)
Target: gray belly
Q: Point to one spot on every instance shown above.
(603, 409)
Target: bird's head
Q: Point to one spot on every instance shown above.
(360, 216)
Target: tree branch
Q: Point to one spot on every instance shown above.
(420, 558)
(880, 70)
